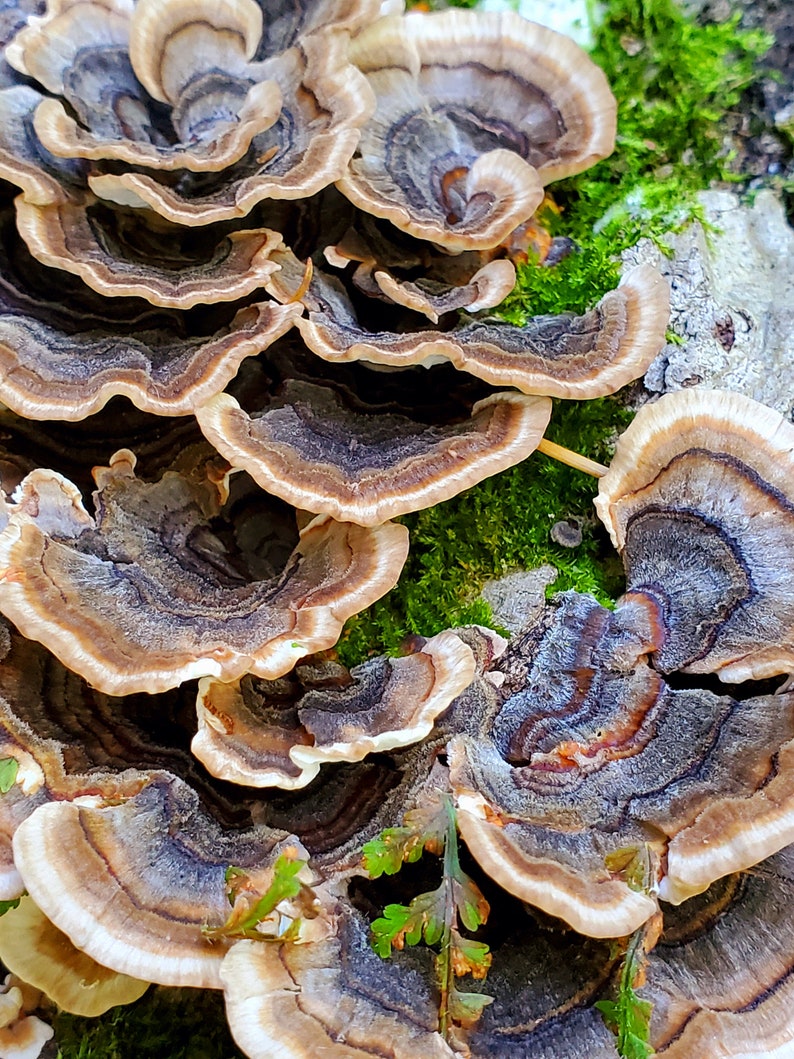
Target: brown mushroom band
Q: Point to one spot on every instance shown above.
(146, 595)
(279, 733)
(559, 356)
(362, 445)
(607, 757)
(707, 475)
(719, 979)
(65, 352)
(474, 114)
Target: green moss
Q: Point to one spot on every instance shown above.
(573, 285)
(163, 1024)
(503, 524)
(675, 82)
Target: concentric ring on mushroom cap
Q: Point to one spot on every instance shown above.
(590, 753)
(317, 452)
(721, 978)
(699, 501)
(81, 51)
(97, 244)
(487, 288)
(338, 999)
(244, 735)
(257, 112)
(144, 598)
(335, 998)
(132, 884)
(65, 351)
(170, 41)
(305, 150)
(560, 356)
(49, 43)
(475, 113)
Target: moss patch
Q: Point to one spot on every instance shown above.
(675, 82)
(163, 1024)
(501, 525)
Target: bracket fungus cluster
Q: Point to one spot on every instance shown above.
(249, 254)
(183, 185)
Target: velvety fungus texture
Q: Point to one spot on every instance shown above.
(251, 255)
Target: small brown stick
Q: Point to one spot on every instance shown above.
(573, 459)
(305, 282)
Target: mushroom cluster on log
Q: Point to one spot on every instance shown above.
(249, 257)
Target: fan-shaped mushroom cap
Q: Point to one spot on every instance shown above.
(301, 153)
(336, 998)
(349, 804)
(489, 286)
(75, 744)
(287, 22)
(699, 501)
(144, 597)
(720, 979)
(65, 352)
(49, 44)
(131, 884)
(248, 733)
(171, 41)
(475, 112)
(258, 111)
(544, 982)
(23, 161)
(359, 458)
(590, 753)
(98, 245)
(71, 742)
(73, 449)
(13, 18)
(81, 51)
(560, 356)
(42, 956)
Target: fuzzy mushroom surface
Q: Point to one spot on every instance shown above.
(720, 978)
(132, 884)
(66, 350)
(147, 595)
(259, 734)
(364, 445)
(337, 998)
(572, 773)
(560, 355)
(699, 502)
(41, 955)
(475, 113)
(237, 114)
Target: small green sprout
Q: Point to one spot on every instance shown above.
(6, 906)
(434, 917)
(636, 866)
(628, 1016)
(9, 766)
(249, 911)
